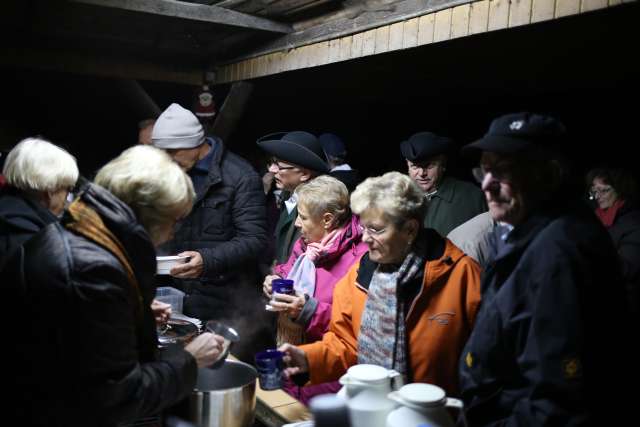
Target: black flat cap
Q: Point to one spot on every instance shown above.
(518, 132)
(297, 147)
(423, 145)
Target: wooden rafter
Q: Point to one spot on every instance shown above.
(195, 12)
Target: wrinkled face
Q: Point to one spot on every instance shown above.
(57, 201)
(312, 228)
(505, 199)
(186, 158)
(388, 243)
(287, 176)
(604, 194)
(427, 173)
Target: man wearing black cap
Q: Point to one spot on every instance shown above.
(336, 153)
(450, 201)
(548, 346)
(297, 158)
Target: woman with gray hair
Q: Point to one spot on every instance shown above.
(409, 304)
(86, 352)
(39, 176)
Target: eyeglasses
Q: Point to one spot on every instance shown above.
(372, 231)
(597, 192)
(274, 162)
(498, 174)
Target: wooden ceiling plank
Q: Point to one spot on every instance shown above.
(194, 12)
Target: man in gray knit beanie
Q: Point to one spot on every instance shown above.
(226, 230)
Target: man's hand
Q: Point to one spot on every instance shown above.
(190, 270)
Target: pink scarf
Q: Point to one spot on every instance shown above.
(607, 216)
(319, 249)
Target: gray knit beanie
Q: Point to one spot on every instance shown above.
(177, 127)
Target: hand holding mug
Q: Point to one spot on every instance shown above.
(266, 285)
(295, 359)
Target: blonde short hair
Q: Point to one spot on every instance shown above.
(325, 194)
(151, 183)
(38, 165)
(393, 193)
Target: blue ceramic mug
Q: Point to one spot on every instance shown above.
(282, 286)
(270, 368)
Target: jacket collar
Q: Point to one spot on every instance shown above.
(16, 206)
(120, 219)
(446, 189)
(215, 175)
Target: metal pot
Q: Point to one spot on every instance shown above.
(224, 397)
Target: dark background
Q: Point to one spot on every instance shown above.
(582, 69)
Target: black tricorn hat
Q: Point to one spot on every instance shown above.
(423, 145)
(297, 147)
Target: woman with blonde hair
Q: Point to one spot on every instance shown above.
(409, 304)
(330, 243)
(87, 344)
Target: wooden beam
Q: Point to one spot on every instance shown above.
(97, 65)
(194, 12)
(360, 22)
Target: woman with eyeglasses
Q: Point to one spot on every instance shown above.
(330, 243)
(409, 304)
(615, 193)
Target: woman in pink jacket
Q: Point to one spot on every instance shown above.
(330, 243)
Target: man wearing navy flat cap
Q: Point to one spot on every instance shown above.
(297, 158)
(226, 230)
(450, 201)
(549, 344)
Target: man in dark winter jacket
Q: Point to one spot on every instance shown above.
(226, 231)
(39, 175)
(548, 346)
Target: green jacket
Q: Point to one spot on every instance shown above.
(455, 202)
(286, 234)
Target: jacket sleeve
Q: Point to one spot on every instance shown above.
(337, 351)
(319, 321)
(250, 225)
(107, 347)
(548, 343)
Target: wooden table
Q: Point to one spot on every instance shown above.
(275, 408)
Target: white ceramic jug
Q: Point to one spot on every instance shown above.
(366, 388)
(422, 404)
(368, 377)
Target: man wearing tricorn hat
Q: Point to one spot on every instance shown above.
(450, 201)
(226, 230)
(297, 158)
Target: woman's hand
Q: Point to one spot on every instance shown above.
(205, 348)
(266, 285)
(295, 359)
(291, 304)
(161, 311)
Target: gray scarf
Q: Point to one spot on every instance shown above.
(382, 340)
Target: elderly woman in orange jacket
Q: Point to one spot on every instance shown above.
(408, 305)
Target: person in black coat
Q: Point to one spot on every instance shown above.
(39, 176)
(85, 349)
(615, 193)
(549, 346)
(226, 231)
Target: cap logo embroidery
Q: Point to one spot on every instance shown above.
(516, 125)
(443, 318)
(572, 368)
